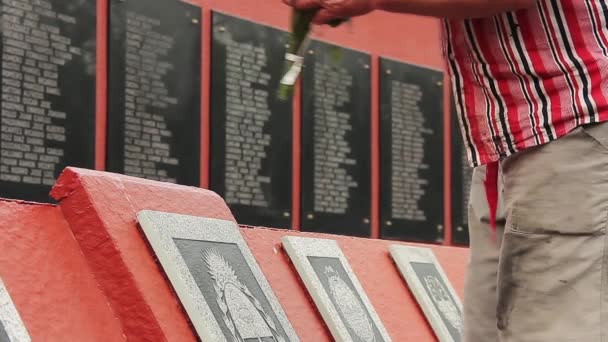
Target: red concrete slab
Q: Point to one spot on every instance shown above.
(48, 278)
(376, 271)
(100, 208)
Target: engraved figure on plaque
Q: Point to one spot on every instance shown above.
(335, 289)
(216, 279)
(242, 312)
(443, 301)
(351, 309)
(431, 288)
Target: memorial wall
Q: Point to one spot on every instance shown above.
(191, 99)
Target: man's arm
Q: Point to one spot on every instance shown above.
(453, 8)
(462, 9)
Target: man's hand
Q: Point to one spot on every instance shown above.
(334, 9)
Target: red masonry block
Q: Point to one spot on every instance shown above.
(48, 278)
(100, 208)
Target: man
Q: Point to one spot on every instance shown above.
(529, 83)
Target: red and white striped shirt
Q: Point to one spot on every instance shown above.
(525, 78)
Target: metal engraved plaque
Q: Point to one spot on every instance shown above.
(155, 90)
(216, 278)
(462, 175)
(251, 129)
(47, 119)
(432, 289)
(412, 154)
(3, 334)
(12, 328)
(336, 152)
(335, 289)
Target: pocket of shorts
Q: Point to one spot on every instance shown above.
(575, 223)
(598, 132)
(550, 286)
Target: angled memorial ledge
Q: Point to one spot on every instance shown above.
(101, 209)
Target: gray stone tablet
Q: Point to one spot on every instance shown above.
(216, 278)
(335, 290)
(12, 328)
(432, 290)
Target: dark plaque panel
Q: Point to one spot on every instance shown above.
(47, 119)
(336, 165)
(155, 90)
(251, 130)
(411, 138)
(462, 175)
(243, 308)
(340, 288)
(437, 290)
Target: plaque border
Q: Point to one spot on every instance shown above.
(299, 249)
(403, 256)
(161, 228)
(10, 319)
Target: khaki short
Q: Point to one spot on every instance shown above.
(544, 276)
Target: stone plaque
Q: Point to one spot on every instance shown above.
(462, 175)
(216, 278)
(412, 154)
(47, 119)
(12, 328)
(336, 161)
(155, 90)
(251, 130)
(335, 289)
(432, 289)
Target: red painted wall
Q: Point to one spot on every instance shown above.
(48, 278)
(403, 37)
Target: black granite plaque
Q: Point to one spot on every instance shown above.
(345, 299)
(251, 130)
(462, 175)
(336, 163)
(155, 90)
(411, 139)
(47, 119)
(435, 288)
(231, 290)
